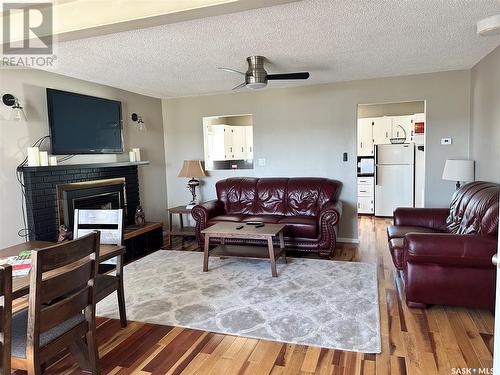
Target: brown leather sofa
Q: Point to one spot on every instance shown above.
(445, 253)
(308, 206)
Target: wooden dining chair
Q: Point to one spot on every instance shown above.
(110, 224)
(62, 280)
(5, 317)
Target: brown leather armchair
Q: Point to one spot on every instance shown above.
(445, 254)
(308, 206)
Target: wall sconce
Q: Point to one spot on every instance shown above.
(141, 126)
(17, 113)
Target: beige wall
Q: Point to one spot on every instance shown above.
(391, 109)
(29, 86)
(303, 131)
(485, 117)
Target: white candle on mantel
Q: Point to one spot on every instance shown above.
(44, 158)
(131, 156)
(137, 152)
(33, 157)
(52, 160)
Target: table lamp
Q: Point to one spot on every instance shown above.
(458, 170)
(192, 169)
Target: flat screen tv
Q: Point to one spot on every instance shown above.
(82, 124)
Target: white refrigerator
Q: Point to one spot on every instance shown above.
(394, 177)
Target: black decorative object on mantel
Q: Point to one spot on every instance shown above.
(64, 234)
(140, 217)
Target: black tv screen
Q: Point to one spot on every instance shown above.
(82, 124)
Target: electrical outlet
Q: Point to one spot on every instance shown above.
(446, 141)
(261, 162)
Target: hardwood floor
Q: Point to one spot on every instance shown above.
(421, 342)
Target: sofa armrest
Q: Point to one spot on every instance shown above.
(207, 210)
(330, 213)
(434, 218)
(201, 213)
(465, 250)
(328, 219)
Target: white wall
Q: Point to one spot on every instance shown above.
(29, 86)
(303, 131)
(485, 117)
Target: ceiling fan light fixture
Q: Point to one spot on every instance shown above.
(256, 76)
(256, 85)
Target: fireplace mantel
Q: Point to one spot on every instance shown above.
(87, 165)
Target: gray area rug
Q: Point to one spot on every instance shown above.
(313, 302)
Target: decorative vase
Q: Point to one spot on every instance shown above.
(140, 218)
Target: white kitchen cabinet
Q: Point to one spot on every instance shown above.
(216, 142)
(382, 130)
(366, 195)
(365, 205)
(403, 122)
(239, 142)
(249, 142)
(365, 137)
(226, 142)
(366, 190)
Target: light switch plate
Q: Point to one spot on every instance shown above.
(446, 141)
(261, 162)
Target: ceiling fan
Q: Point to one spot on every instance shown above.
(256, 76)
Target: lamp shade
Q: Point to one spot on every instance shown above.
(192, 168)
(459, 170)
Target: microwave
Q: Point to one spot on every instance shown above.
(366, 165)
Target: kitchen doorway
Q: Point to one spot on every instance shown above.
(390, 157)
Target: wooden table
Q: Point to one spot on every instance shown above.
(248, 232)
(183, 231)
(20, 285)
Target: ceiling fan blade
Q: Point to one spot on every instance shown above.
(241, 85)
(301, 75)
(231, 70)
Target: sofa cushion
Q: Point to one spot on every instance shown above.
(395, 231)
(397, 248)
(237, 194)
(225, 218)
(474, 209)
(300, 226)
(270, 197)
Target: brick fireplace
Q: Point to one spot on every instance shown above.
(53, 192)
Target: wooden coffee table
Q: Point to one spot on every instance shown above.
(248, 232)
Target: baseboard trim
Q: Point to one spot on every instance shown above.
(348, 240)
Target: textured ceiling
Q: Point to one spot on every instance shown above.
(333, 40)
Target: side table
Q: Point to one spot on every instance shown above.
(184, 231)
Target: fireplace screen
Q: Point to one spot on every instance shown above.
(105, 201)
(101, 194)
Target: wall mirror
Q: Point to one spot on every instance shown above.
(228, 142)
